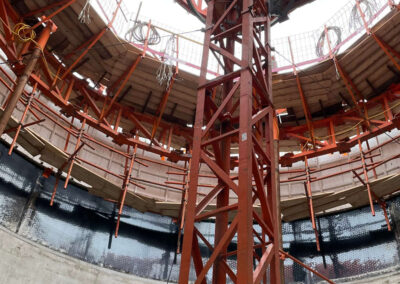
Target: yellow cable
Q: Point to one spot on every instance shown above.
(24, 34)
(19, 31)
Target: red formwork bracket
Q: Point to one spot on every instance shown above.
(47, 172)
(286, 160)
(120, 139)
(175, 158)
(396, 121)
(69, 110)
(343, 147)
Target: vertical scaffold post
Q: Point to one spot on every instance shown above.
(242, 118)
(23, 79)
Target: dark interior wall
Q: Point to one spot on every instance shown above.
(81, 225)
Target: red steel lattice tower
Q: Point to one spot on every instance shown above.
(235, 111)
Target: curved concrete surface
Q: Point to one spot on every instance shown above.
(23, 261)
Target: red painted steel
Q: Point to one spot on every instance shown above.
(253, 89)
(246, 101)
(310, 202)
(46, 18)
(27, 106)
(127, 177)
(304, 103)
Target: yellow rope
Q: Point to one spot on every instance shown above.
(20, 32)
(24, 33)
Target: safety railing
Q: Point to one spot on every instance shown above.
(309, 48)
(344, 28)
(128, 26)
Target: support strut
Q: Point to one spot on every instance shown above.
(23, 79)
(246, 86)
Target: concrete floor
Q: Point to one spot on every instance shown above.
(23, 261)
(26, 262)
(390, 278)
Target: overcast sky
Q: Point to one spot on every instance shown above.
(308, 17)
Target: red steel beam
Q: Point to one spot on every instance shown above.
(364, 166)
(59, 171)
(129, 72)
(190, 237)
(45, 8)
(310, 202)
(286, 255)
(384, 46)
(128, 171)
(304, 103)
(53, 96)
(23, 79)
(23, 126)
(8, 33)
(77, 60)
(162, 105)
(143, 117)
(331, 148)
(27, 106)
(350, 86)
(182, 209)
(93, 42)
(255, 112)
(77, 145)
(46, 18)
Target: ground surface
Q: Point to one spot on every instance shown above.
(25, 262)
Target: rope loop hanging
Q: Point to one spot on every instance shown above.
(23, 32)
(84, 15)
(165, 71)
(139, 31)
(368, 7)
(320, 48)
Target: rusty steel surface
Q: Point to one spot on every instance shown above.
(235, 133)
(60, 91)
(258, 151)
(149, 240)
